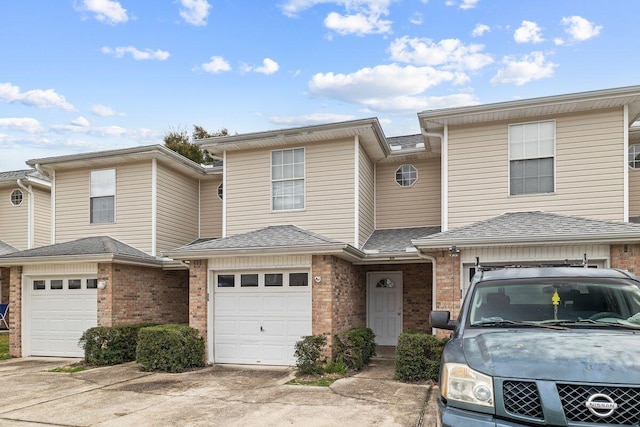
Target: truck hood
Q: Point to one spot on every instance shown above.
(573, 355)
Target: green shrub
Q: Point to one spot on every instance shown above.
(111, 345)
(355, 347)
(418, 356)
(332, 367)
(170, 348)
(308, 353)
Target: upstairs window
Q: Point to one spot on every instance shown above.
(634, 156)
(531, 158)
(287, 179)
(16, 197)
(103, 195)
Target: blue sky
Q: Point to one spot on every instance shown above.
(87, 75)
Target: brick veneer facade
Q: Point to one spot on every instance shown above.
(198, 296)
(626, 257)
(5, 278)
(15, 305)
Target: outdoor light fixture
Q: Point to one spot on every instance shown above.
(454, 251)
(102, 284)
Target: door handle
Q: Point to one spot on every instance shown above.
(261, 329)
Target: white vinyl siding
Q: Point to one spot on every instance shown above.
(133, 201)
(330, 191)
(634, 192)
(366, 203)
(14, 229)
(589, 170)
(210, 209)
(415, 206)
(177, 209)
(42, 217)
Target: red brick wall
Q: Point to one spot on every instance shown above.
(5, 278)
(339, 299)
(626, 257)
(198, 296)
(136, 294)
(15, 305)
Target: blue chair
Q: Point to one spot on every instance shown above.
(3, 314)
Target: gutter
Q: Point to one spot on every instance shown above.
(66, 259)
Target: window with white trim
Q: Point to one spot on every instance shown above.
(16, 197)
(103, 196)
(634, 156)
(406, 175)
(287, 179)
(531, 158)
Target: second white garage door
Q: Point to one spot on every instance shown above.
(60, 310)
(259, 325)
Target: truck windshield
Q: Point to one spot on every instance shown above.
(562, 301)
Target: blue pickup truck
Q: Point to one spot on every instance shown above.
(543, 346)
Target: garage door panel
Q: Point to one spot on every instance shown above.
(57, 320)
(239, 316)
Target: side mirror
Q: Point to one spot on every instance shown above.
(442, 320)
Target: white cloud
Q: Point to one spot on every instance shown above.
(558, 41)
(480, 29)
(382, 88)
(195, 12)
(108, 11)
(529, 32)
(80, 121)
(137, 54)
(362, 16)
(104, 111)
(22, 124)
(101, 131)
(216, 64)
(34, 98)
(464, 4)
(530, 67)
(358, 24)
(310, 119)
(421, 103)
(448, 53)
(580, 29)
(20, 142)
(269, 66)
(417, 19)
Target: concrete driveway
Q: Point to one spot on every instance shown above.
(218, 395)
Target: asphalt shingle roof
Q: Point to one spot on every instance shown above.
(406, 142)
(269, 237)
(100, 245)
(21, 174)
(6, 248)
(516, 226)
(397, 239)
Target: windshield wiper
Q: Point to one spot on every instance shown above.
(492, 321)
(580, 321)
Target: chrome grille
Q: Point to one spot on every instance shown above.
(574, 398)
(522, 398)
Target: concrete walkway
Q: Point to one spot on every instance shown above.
(219, 395)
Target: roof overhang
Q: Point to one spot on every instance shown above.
(125, 155)
(368, 131)
(435, 120)
(71, 259)
(426, 245)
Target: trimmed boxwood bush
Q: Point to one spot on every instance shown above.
(418, 356)
(308, 353)
(111, 345)
(355, 347)
(170, 348)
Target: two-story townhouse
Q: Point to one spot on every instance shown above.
(113, 213)
(317, 230)
(543, 180)
(25, 206)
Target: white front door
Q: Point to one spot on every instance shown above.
(385, 306)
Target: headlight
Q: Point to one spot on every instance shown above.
(461, 383)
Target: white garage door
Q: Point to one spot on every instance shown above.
(258, 324)
(60, 310)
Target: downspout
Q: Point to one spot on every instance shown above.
(154, 206)
(625, 169)
(224, 195)
(30, 212)
(356, 202)
(52, 178)
(433, 281)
